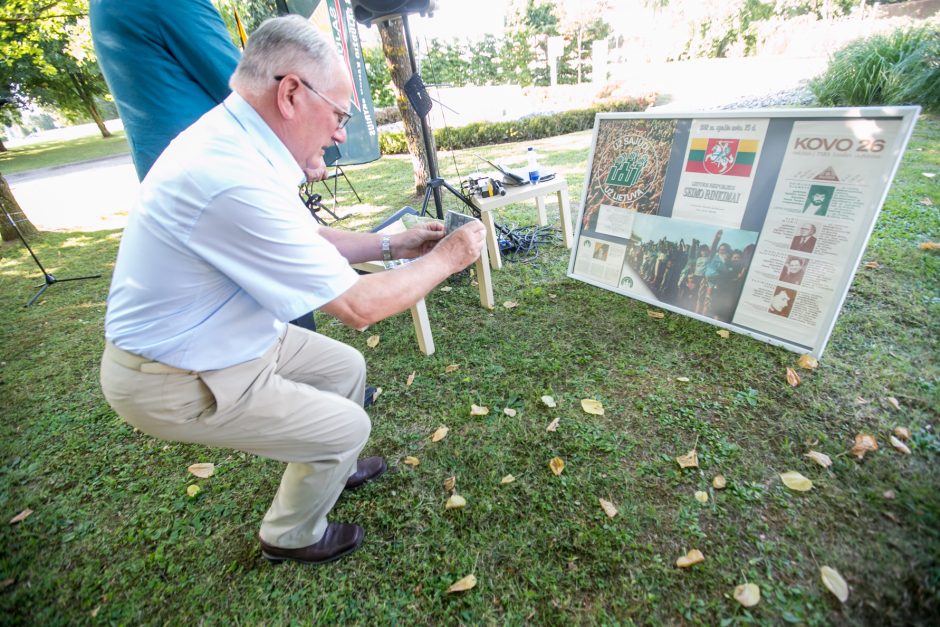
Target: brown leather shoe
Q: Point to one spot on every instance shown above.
(340, 539)
(367, 469)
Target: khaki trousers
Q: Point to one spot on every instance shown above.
(300, 403)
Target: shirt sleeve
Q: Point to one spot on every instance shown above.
(266, 243)
(197, 37)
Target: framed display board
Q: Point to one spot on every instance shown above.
(754, 221)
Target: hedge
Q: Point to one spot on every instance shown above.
(532, 127)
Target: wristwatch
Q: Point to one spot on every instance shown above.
(387, 248)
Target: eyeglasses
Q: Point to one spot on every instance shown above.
(343, 116)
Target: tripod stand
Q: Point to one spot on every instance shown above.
(313, 203)
(433, 187)
(48, 278)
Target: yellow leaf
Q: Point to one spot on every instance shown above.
(507, 479)
(820, 458)
(723, 333)
(411, 378)
(903, 433)
(796, 481)
(719, 482)
(557, 465)
(451, 368)
(440, 434)
(591, 406)
(21, 516)
(203, 471)
(894, 403)
(479, 410)
(747, 594)
(464, 584)
(553, 425)
(509, 411)
(864, 442)
(808, 362)
(373, 341)
(455, 502)
(682, 379)
(792, 378)
(928, 203)
(701, 496)
(553, 296)
(193, 490)
(689, 460)
(899, 445)
(450, 483)
(549, 401)
(930, 245)
(446, 288)
(691, 558)
(412, 461)
(874, 265)
(608, 508)
(655, 314)
(509, 304)
(834, 581)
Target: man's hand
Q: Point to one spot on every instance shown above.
(462, 247)
(417, 241)
(315, 170)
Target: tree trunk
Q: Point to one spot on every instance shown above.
(12, 209)
(96, 116)
(399, 65)
(2, 147)
(89, 103)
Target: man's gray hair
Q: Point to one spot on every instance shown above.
(284, 45)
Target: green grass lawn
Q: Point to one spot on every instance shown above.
(61, 152)
(114, 538)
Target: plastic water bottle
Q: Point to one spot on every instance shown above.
(533, 166)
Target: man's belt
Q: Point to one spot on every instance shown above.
(141, 364)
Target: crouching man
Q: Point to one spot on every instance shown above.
(219, 253)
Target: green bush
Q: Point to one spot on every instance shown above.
(535, 127)
(900, 68)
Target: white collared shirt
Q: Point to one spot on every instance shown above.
(219, 251)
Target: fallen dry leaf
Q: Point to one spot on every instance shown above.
(479, 410)
(820, 458)
(553, 425)
(193, 490)
(655, 314)
(689, 460)
(723, 333)
(691, 558)
(507, 479)
(411, 378)
(553, 296)
(894, 403)
(509, 411)
(557, 465)
(510, 304)
(608, 508)
(719, 482)
(450, 483)
(455, 502)
(549, 401)
(899, 445)
(21, 516)
(864, 442)
(792, 378)
(929, 246)
(874, 265)
(373, 341)
(451, 368)
(464, 584)
(412, 461)
(376, 394)
(903, 433)
(807, 362)
(203, 471)
(929, 175)
(446, 288)
(889, 494)
(591, 406)
(440, 434)
(796, 481)
(834, 581)
(861, 401)
(747, 594)
(682, 379)
(701, 496)
(927, 203)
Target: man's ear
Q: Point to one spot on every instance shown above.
(287, 94)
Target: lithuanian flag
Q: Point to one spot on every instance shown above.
(730, 157)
